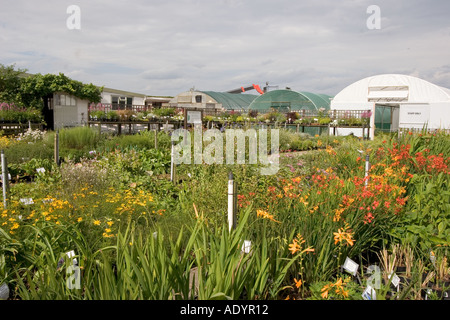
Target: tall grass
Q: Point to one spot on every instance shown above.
(78, 138)
(199, 263)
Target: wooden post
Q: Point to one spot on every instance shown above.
(156, 139)
(5, 180)
(231, 202)
(57, 148)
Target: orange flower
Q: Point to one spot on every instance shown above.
(324, 291)
(298, 283)
(342, 235)
(265, 215)
(294, 247)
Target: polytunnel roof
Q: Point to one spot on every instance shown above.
(290, 98)
(393, 87)
(232, 101)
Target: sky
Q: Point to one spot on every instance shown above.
(163, 48)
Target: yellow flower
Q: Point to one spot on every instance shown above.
(107, 230)
(80, 219)
(110, 223)
(97, 222)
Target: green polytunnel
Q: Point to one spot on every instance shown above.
(232, 101)
(289, 100)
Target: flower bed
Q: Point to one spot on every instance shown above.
(10, 113)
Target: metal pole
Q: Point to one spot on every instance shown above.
(231, 202)
(366, 175)
(172, 165)
(156, 139)
(5, 181)
(57, 148)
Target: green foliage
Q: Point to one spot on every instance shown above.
(10, 83)
(81, 138)
(427, 222)
(30, 90)
(36, 87)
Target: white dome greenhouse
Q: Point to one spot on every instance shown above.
(398, 102)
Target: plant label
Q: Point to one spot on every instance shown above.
(40, 170)
(246, 246)
(27, 201)
(350, 266)
(395, 280)
(433, 258)
(369, 294)
(71, 254)
(9, 176)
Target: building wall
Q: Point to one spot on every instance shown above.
(433, 115)
(69, 111)
(189, 99)
(107, 98)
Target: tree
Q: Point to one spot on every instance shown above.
(33, 90)
(10, 83)
(37, 88)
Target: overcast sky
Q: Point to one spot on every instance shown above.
(167, 47)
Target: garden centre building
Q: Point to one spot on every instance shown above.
(398, 102)
(289, 100)
(281, 100)
(212, 100)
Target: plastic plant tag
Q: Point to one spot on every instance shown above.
(395, 280)
(9, 176)
(350, 266)
(369, 294)
(433, 258)
(155, 234)
(70, 254)
(246, 246)
(27, 201)
(40, 170)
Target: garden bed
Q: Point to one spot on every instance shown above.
(137, 235)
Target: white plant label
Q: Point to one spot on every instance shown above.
(369, 294)
(27, 201)
(395, 280)
(9, 176)
(71, 254)
(351, 266)
(246, 246)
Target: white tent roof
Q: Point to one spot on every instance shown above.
(393, 88)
